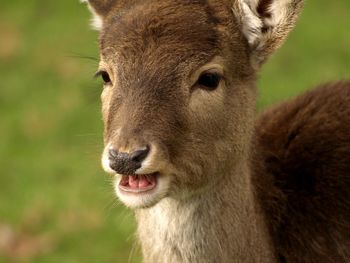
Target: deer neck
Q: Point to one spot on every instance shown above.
(222, 224)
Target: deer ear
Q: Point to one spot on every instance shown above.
(266, 24)
(99, 10)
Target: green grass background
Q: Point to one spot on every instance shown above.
(56, 204)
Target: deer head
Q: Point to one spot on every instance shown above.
(179, 89)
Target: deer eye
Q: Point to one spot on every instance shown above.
(209, 80)
(105, 77)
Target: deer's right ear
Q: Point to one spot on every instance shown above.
(99, 9)
(265, 24)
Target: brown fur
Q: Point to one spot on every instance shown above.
(303, 179)
(102, 7)
(273, 193)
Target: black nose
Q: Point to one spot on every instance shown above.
(127, 163)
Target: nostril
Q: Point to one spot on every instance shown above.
(140, 154)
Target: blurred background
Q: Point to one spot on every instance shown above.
(56, 203)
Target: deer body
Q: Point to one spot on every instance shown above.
(208, 182)
(302, 175)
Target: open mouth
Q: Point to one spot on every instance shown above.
(138, 183)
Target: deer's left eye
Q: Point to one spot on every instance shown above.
(105, 77)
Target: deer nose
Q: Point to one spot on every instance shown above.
(127, 163)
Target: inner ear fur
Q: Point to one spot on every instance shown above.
(266, 24)
(101, 7)
(99, 10)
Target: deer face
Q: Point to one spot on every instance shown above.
(178, 97)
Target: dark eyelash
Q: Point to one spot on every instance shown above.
(98, 74)
(105, 76)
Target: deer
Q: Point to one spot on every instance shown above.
(209, 179)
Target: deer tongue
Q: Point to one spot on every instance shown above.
(140, 181)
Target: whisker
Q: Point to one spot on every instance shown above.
(77, 55)
(87, 134)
